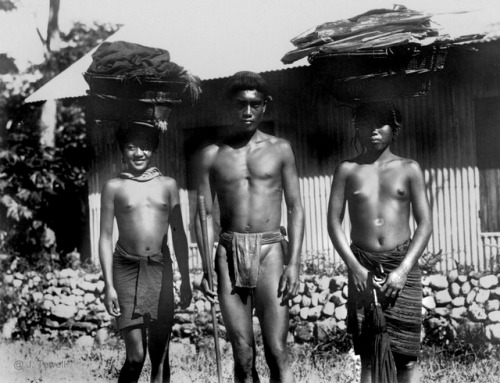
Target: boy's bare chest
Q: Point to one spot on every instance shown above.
(138, 195)
(371, 184)
(233, 166)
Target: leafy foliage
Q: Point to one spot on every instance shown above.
(75, 44)
(320, 263)
(336, 341)
(8, 5)
(32, 178)
(429, 261)
(439, 331)
(23, 303)
(43, 190)
(465, 343)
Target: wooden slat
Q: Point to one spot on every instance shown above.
(467, 228)
(476, 261)
(450, 264)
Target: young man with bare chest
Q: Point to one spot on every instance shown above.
(248, 172)
(138, 274)
(380, 188)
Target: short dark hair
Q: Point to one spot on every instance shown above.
(382, 112)
(246, 80)
(133, 130)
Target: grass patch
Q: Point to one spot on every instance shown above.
(62, 362)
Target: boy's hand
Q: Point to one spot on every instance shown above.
(396, 280)
(360, 279)
(209, 294)
(186, 294)
(289, 283)
(111, 302)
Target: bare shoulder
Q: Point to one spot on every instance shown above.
(280, 145)
(273, 139)
(346, 167)
(110, 189)
(168, 183)
(210, 150)
(207, 155)
(409, 165)
(112, 185)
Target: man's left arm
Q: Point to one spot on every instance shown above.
(289, 283)
(422, 214)
(179, 240)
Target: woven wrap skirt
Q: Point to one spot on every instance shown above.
(403, 314)
(144, 285)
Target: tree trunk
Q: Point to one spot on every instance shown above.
(53, 36)
(48, 123)
(48, 118)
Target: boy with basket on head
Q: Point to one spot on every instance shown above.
(138, 274)
(380, 189)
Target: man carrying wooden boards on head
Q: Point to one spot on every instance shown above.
(249, 171)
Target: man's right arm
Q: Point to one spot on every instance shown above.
(336, 210)
(106, 248)
(289, 281)
(204, 162)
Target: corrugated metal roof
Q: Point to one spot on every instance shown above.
(214, 39)
(208, 41)
(491, 33)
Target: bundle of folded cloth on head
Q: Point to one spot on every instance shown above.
(383, 50)
(132, 82)
(375, 31)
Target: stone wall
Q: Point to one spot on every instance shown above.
(70, 302)
(457, 300)
(449, 301)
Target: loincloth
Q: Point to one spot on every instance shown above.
(141, 283)
(403, 314)
(243, 253)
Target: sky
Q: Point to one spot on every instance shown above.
(18, 34)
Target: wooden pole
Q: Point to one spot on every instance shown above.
(206, 253)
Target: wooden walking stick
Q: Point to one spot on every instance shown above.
(206, 253)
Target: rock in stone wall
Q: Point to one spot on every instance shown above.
(464, 300)
(72, 301)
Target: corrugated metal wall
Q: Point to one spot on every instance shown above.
(439, 132)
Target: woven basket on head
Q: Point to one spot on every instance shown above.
(105, 107)
(403, 72)
(385, 62)
(380, 88)
(135, 98)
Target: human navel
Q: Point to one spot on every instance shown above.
(247, 228)
(378, 222)
(401, 192)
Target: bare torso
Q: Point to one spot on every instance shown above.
(142, 213)
(378, 197)
(248, 184)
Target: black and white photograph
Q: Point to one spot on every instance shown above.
(293, 191)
